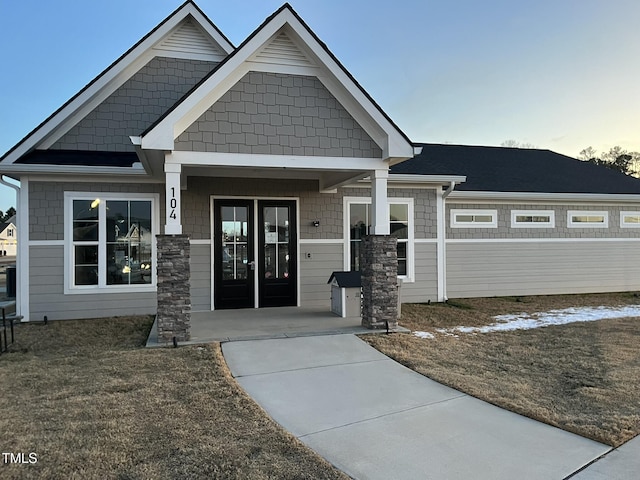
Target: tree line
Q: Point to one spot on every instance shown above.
(4, 216)
(617, 158)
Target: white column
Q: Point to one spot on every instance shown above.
(22, 256)
(173, 225)
(379, 202)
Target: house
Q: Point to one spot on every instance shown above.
(195, 175)
(8, 237)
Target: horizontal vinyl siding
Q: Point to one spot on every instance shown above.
(46, 273)
(541, 268)
(425, 286)
(315, 272)
(200, 277)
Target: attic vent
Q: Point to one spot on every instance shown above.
(189, 39)
(282, 50)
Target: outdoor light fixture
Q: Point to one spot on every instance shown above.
(316, 223)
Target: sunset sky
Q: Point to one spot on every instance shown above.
(561, 75)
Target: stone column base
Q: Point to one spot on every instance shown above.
(174, 288)
(379, 270)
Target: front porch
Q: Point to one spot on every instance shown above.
(262, 323)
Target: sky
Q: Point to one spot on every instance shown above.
(557, 74)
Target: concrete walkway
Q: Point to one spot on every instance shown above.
(375, 419)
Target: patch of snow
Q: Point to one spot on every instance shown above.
(528, 321)
(424, 335)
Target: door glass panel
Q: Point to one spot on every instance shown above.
(235, 227)
(276, 242)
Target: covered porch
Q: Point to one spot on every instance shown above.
(253, 324)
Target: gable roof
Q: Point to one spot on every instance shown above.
(164, 37)
(308, 56)
(500, 169)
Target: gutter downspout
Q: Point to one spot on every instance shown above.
(21, 250)
(452, 186)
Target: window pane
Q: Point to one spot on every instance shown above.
(86, 275)
(588, 219)
(85, 231)
(355, 255)
(358, 220)
(118, 265)
(282, 220)
(283, 261)
(482, 218)
(399, 213)
(270, 261)
(464, 218)
(117, 220)
(402, 250)
(86, 255)
(632, 219)
(399, 230)
(85, 209)
(402, 267)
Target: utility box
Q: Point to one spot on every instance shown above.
(346, 294)
(11, 281)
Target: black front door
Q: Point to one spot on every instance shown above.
(277, 253)
(234, 265)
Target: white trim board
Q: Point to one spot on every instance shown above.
(539, 240)
(321, 241)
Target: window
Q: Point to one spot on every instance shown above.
(630, 219)
(110, 241)
(400, 226)
(474, 218)
(586, 219)
(10, 232)
(532, 219)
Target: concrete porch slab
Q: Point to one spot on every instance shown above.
(265, 323)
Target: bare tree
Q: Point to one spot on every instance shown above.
(516, 144)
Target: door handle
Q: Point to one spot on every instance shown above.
(252, 265)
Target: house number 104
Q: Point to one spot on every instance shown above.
(173, 204)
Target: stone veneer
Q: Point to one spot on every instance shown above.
(379, 270)
(174, 293)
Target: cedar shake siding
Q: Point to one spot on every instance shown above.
(271, 113)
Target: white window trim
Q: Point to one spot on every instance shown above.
(535, 213)
(457, 211)
(602, 213)
(69, 287)
(624, 224)
(347, 201)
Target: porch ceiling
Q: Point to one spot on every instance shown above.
(326, 179)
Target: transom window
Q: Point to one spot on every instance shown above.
(586, 219)
(110, 241)
(532, 219)
(474, 218)
(630, 219)
(400, 226)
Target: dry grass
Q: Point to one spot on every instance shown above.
(92, 403)
(582, 377)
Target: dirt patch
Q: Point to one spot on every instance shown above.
(582, 377)
(91, 403)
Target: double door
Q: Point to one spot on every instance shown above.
(254, 253)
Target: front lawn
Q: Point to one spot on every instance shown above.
(582, 377)
(91, 403)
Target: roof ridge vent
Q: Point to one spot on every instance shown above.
(283, 51)
(189, 40)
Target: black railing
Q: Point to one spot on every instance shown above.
(4, 332)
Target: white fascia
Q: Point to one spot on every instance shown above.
(24, 169)
(273, 161)
(546, 197)
(434, 179)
